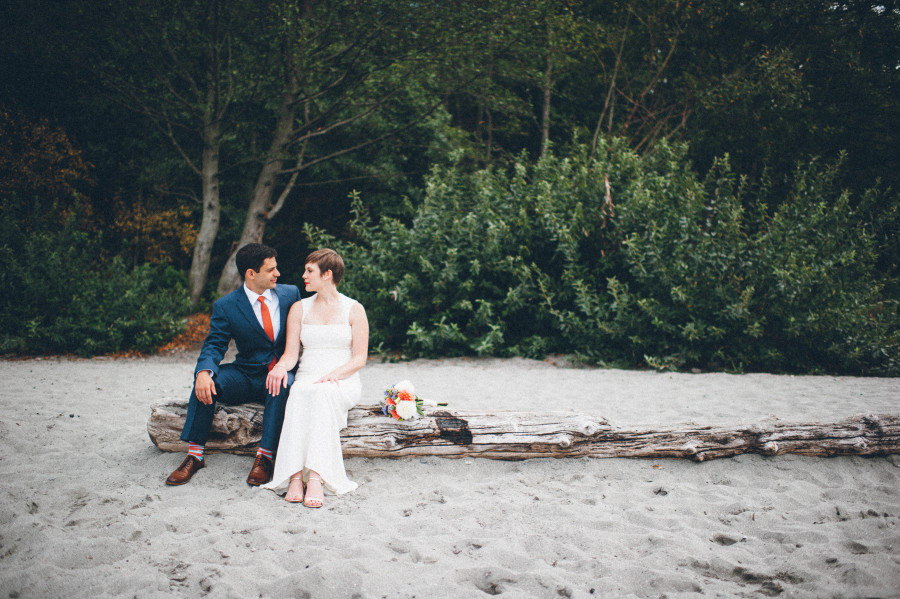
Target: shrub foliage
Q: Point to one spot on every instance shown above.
(63, 298)
(627, 260)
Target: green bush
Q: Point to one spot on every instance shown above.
(458, 280)
(797, 290)
(61, 297)
(627, 260)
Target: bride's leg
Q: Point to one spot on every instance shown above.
(295, 488)
(315, 494)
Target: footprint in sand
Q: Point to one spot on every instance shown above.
(724, 540)
(491, 583)
(857, 548)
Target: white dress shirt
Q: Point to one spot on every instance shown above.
(271, 304)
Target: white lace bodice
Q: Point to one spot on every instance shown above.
(325, 346)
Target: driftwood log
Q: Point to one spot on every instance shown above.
(521, 435)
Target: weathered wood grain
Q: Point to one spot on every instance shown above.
(521, 435)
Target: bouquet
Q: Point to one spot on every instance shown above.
(400, 402)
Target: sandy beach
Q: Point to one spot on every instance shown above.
(85, 512)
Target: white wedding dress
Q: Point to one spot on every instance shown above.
(316, 413)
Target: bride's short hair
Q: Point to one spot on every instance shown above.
(327, 259)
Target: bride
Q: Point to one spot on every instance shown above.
(334, 333)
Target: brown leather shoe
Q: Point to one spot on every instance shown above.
(184, 472)
(261, 473)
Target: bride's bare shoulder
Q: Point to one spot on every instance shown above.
(357, 312)
(296, 310)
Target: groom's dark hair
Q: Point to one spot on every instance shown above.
(252, 256)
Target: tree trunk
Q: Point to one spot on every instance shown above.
(209, 224)
(261, 203)
(213, 109)
(521, 435)
(545, 113)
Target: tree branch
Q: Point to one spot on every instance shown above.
(389, 134)
(610, 91)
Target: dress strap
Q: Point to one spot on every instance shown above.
(307, 303)
(346, 306)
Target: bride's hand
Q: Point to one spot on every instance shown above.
(329, 378)
(276, 380)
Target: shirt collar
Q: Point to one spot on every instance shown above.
(269, 294)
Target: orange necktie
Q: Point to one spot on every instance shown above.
(267, 325)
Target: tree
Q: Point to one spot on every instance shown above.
(343, 67)
(796, 79)
(601, 67)
(39, 161)
(311, 81)
(275, 108)
(176, 63)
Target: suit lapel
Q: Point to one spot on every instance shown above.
(246, 309)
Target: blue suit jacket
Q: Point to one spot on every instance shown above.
(233, 318)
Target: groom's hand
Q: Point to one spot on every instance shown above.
(204, 387)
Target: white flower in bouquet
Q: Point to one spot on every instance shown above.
(407, 409)
(400, 402)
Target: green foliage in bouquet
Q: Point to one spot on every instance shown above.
(62, 298)
(627, 260)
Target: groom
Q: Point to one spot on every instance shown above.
(254, 316)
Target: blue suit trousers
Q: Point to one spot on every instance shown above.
(234, 386)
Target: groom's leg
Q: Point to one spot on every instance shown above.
(273, 417)
(232, 386)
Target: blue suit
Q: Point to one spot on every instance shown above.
(244, 379)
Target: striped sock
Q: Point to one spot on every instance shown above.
(264, 453)
(195, 450)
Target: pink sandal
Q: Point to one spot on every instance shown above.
(295, 498)
(314, 501)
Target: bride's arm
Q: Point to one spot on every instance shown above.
(359, 347)
(277, 378)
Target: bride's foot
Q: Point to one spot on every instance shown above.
(295, 490)
(315, 494)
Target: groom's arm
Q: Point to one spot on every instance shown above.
(211, 354)
(216, 343)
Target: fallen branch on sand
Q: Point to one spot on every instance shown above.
(521, 435)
